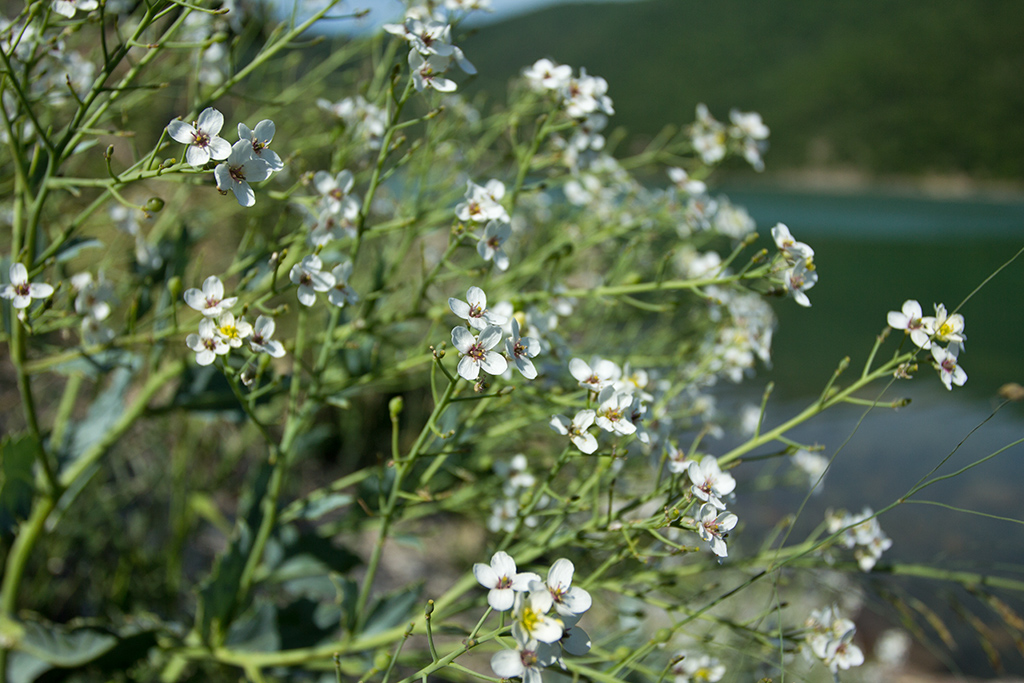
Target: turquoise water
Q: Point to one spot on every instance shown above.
(872, 253)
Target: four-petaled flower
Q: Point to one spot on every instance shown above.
(21, 291)
(260, 137)
(476, 352)
(341, 293)
(949, 372)
(714, 527)
(531, 616)
(568, 599)
(576, 429)
(910, 319)
(308, 276)
(207, 344)
(489, 247)
(475, 311)
(799, 279)
(202, 139)
(232, 331)
(261, 342)
(501, 577)
(210, 301)
(521, 350)
(241, 168)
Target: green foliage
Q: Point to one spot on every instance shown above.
(910, 87)
(303, 467)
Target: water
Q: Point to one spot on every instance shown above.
(872, 253)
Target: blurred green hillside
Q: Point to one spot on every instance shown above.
(909, 87)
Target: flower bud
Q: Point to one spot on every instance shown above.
(154, 205)
(395, 407)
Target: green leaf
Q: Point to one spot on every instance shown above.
(315, 509)
(74, 246)
(393, 609)
(24, 668)
(256, 630)
(100, 363)
(62, 647)
(17, 459)
(219, 594)
(103, 414)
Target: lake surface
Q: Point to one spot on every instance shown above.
(872, 253)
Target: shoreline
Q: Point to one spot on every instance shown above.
(854, 181)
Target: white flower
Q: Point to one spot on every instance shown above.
(427, 72)
(613, 413)
(713, 528)
(21, 291)
(232, 331)
(949, 371)
(831, 639)
(489, 246)
(698, 669)
(483, 203)
(568, 599)
(943, 327)
(210, 301)
(526, 661)
(207, 344)
(793, 251)
(751, 132)
(341, 293)
(911, 321)
(308, 276)
(521, 350)
(685, 183)
(67, 8)
(202, 138)
(585, 95)
(261, 342)
(531, 616)
(814, 464)
(260, 138)
(475, 311)
(241, 168)
(710, 483)
(547, 75)
(476, 352)
(799, 279)
(708, 136)
(594, 378)
(576, 430)
(503, 580)
(336, 194)
(94, 296)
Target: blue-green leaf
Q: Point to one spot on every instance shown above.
(17, 458)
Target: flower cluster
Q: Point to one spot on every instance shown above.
(250, 159)
(830, 638)
(92, 302)
(862, 533)
(431, 52)
(697, 668)
(800, 275)
(482, 206)
(580, 96)
(619, 400)
(477, 351)
(545, 615)
(219, 331)
(929, 331)
(746, 134)
(517, 481)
